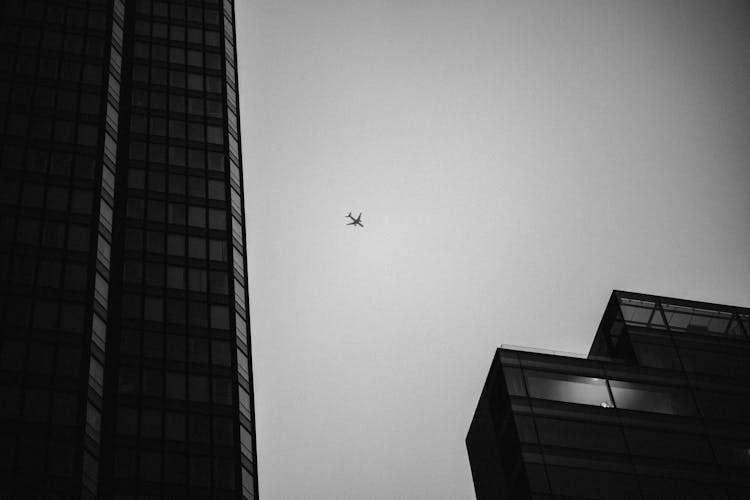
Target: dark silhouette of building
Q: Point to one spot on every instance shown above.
(124, 347)
(659, 409)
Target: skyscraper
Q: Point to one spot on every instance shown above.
(124, 355)
(659, 409)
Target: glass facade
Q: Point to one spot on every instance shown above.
(658, 410)
(124, 357)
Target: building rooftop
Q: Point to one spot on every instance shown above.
(659, 408)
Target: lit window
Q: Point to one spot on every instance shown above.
(568, 388)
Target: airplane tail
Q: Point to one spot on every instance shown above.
(350, 214)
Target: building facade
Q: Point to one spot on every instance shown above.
(125, 366)
(659, 409)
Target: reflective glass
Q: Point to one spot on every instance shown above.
(636, 311)
(569, 388)
(656, 356)
(174, 426)
(514, 381)
(587, 483)
(657, 443)
(658, 399)
(691, 319)
(724, 406)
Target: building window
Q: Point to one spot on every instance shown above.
(175, 244)
(198, 388)
(196, 248)
(568, 388)
(175, 385)
(199, 429)
(219, 317)
(174, 426)
(658, 399)
(101, 290)
(220, 353)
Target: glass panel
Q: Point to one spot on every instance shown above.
(657, 356)
(242, 364)
(696, 320)
(248, 487)
(514, 381)
(239, 261)
(101, 288)
(153, 345)
(127, 421)
(525, 427)
(237, 230)
(223, 431)
(176, 244)
(636, 311)
(731, 364)
(220, 353)
(99, 331)
(735, 329)
(218, 283)
(657, 488)
(217, 220)
(584, 435)
(717, 325)
(239, 294)
(105, 213)
(218, 250)
(669, 445)
(732, 453)
(724, 406)
(569, 388)
(241, 328)
(199, 428)
(196, 247)
(745, 319)
(150, 469)
(244, 403)
(197, 279)
(198, 388)
(198, 349)
(174, 468)
(174, 426)
(586, 483)
(222, 390)
(657, 399)
(246, 441)
(104, 251)
(96, 373)
(176, 277)
(175, 385)
(219, 317)
(236, 201)
(150, 423)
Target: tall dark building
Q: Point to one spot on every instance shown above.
(124, 347)
(659, 409)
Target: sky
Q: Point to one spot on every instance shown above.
(514, 162)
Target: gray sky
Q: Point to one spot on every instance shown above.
(514, 162)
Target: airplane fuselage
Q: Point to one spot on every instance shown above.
(355, 222)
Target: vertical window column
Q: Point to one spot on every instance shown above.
(92, 440)
(239, 283)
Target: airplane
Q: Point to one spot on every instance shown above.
(357, 221)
